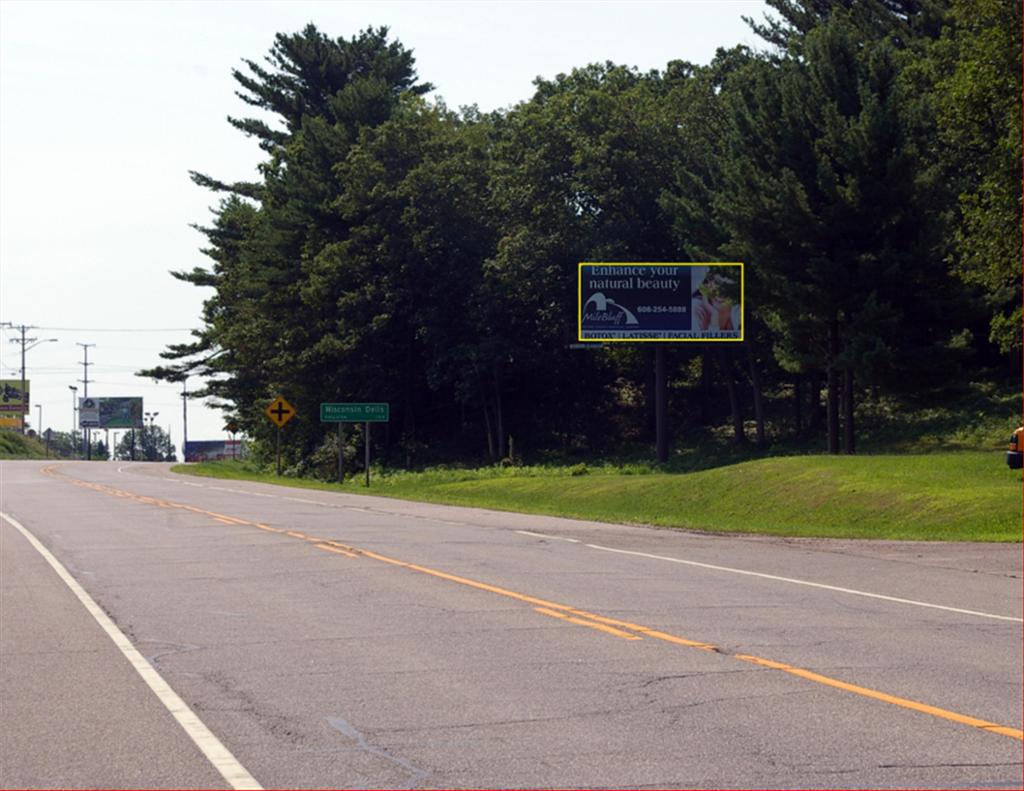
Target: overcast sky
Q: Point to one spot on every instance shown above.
(105, 107)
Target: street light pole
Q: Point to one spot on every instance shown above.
(151, 417)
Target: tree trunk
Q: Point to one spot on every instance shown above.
(725, 364)
(487, 422)
(499, 412)
(833, 387)
(755, 385)
(660, 410)
(815, 420)
(705, 388)
(408, 436)
(849, 436)
(798, 397)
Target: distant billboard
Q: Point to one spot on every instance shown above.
(115, 412)
(121, 412)
(12, 399)
(660, 302)
(213, 450)
(88, 413)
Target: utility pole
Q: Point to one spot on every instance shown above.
(184, 418)
(24, 395)
(85, 381)
(26, 344)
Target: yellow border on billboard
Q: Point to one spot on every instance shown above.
(579, 302)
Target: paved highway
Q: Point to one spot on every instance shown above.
(159, 630)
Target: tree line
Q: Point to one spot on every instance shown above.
(864, 163)
(151, 443)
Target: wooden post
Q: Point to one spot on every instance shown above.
(660, 402)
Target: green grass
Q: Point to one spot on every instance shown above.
(932, 470)
(941, 496)
(17, 446)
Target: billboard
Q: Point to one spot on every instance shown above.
(213, 450)
(660, 302)
(116, 412)
(12, 400)
(88, 413)
(121, 412)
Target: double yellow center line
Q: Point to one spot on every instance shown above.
(612, 626)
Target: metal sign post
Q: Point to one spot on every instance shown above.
(341, 455)
(280, 412)
(355, 413)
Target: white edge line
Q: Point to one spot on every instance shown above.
(809, 584)
(545, 535)
(210, 746)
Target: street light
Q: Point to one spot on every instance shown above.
(151, 416)
(74, 411)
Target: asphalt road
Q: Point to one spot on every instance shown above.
(330, 640)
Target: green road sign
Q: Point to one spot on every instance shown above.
(355, 413)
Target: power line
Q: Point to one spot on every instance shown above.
(120, 329)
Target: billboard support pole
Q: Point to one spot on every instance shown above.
(660, 400)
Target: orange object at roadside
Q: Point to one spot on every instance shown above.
(1015, 453)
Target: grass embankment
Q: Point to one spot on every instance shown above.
(951, 496)
(18, 446)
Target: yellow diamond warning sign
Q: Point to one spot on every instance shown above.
(280, 411)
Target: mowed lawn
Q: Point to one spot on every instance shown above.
(960, 496)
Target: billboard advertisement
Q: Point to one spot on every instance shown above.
(121, 412)
(116, 412)
(88, 413)
(12, 400)
(660, 302)
(213, 450)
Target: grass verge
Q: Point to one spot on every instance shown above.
(14, 445)
(953, 496)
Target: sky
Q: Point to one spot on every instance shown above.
(106, 106)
